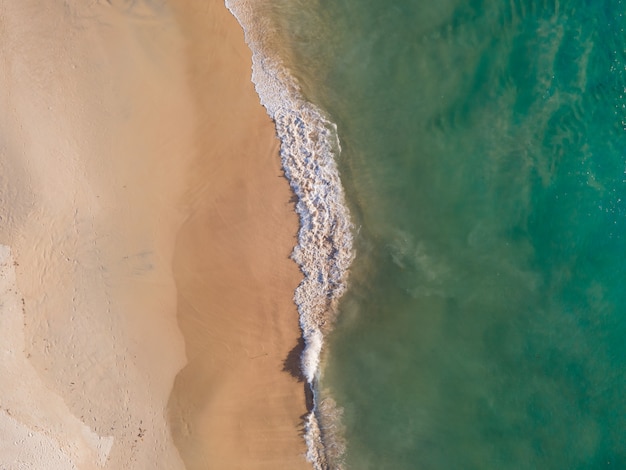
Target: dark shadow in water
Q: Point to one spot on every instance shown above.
(292, 365)
(308, 395)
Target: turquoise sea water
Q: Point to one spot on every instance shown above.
(484, 163)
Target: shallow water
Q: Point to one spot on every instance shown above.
(483, 161)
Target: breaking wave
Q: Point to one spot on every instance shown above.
(309, 144)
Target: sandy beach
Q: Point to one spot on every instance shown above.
(233, 406)
(145, 233)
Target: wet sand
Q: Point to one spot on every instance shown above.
(233, 406)
(145, 230)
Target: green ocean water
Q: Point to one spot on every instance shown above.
(484, 163)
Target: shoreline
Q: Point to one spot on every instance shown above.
(324, 249)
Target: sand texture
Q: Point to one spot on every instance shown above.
(232, 405)
(145, 228)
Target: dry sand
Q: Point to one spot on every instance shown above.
(145, 228)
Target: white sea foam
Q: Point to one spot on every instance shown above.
(324, 252)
